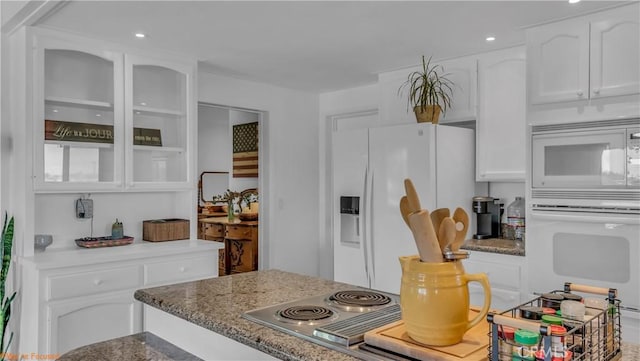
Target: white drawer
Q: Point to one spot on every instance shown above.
(500, 275)
(181, 270)
(93, 282)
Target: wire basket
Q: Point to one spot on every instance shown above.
(595, 338)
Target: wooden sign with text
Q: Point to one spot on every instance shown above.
(77, 132)
(144, 136)
(96, 133)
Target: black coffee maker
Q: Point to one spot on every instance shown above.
(488, 212)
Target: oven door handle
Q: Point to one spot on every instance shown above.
(585, 218)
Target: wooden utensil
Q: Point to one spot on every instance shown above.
(436, 218)
(412, 196)
(425, 237)
(461, 219)
(404, 209)
(446, 234)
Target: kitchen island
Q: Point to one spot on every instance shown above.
(217, 304)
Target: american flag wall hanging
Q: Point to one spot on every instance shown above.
(245, 150)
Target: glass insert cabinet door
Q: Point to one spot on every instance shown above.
(78, 119)
(157, 115)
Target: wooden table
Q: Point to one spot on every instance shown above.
(240, 240)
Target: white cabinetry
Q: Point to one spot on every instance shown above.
(86, 320)
(104, 115)
(463, 73)
(157, 94)
(393, 104)
(77, 118)
(501, 122)
(197, 340)
(86, 296)
(585, 58)
(506, 277)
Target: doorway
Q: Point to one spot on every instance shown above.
(230, 157)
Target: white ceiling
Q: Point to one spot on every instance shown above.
(312, 45)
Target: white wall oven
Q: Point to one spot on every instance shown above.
(590, 249)
(588, 167)
(583, 222)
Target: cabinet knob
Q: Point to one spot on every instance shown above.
(580, 93)
(97, 282)
(596, 91)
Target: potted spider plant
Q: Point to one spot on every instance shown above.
(430, 92)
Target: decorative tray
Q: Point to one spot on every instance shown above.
(107, 241)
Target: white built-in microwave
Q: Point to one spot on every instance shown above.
(589, 164)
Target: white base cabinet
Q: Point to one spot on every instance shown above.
(197, 340)
(506, 275)
(86, 296)
(85, 321)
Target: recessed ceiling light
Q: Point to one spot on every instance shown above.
(490, 38)
(98, 115)
(140, 35)
(143, 103)
(55, 110)
(573, 1)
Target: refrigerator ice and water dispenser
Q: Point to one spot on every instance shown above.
(350, 220)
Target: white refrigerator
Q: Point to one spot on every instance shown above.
(369, 168)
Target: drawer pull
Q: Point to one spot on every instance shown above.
(97, 282)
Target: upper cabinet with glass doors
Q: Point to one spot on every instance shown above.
(157, 114)
(109, 121)
(78, 117)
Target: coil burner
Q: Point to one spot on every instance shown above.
(358, 300)
(308, 314)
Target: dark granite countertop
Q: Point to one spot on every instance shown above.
(143, 346)
(495, 245)
(217, 304)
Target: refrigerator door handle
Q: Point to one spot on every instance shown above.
(370, 230)
(364, 229)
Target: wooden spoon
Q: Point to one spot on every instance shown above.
(404, 209)
(425, 237)
(436, 218)
(446, 233)
(461, 219)
(412, 196)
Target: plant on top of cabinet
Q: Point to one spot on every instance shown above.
(430, 91)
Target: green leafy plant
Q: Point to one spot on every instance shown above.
(5, 248)
(228, 197)
(428, 86)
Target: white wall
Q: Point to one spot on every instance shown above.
(289, 162)
(507, 192)
(55, 214)
(213, 139)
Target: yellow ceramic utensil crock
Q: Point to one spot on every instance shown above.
(434, 298)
